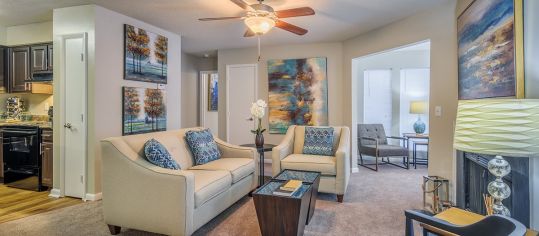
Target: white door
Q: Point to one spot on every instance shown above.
(209, 117)
(241, 82)
(378, 99)
(75, 116)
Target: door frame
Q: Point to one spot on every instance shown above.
(228, 67)
(203, 96)
(63, 109)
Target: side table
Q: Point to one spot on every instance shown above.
(261, 151)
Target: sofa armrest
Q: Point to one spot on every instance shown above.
(235, 151)
(285, 148)
(342, 156)
(139, 195)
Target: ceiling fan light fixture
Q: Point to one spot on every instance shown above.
(259, 24)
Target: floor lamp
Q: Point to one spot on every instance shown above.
(501, 127)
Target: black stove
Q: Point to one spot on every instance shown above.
(22, 162)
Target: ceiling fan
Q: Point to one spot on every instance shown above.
(261, 18)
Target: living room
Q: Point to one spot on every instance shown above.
(120, 51)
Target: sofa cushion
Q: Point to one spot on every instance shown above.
(318, 141)
(239, 168)
(158, 155)
(203, 146)
(210, 183)
(324, 164)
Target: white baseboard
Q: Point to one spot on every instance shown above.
(55, 193)
(93, 197)
(355, 170)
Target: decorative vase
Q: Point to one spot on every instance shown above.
(419, 126)
(259, 140)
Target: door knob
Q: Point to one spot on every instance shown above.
(68, 125)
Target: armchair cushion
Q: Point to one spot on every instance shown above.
(239, 168)
(318, 141)
(210, 183)
(158, 155)
(324, 164)
(203, 146)
(384, 150)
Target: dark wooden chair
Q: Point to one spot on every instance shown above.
(372, 141)
(494, 225)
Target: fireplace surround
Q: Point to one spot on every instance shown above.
(473, 178)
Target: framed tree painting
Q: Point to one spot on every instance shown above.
(144, 110)
(298, 93)
(145, 57)
(490, 50)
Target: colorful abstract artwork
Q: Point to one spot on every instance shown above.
(213, 92)
(145, 56)
(298, 93)
(487, 55)
(144, 110)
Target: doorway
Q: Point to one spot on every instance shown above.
(393, 90)
(241, 92)
(209, 101)
(73, 141)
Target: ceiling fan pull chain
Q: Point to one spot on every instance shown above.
(258, 47)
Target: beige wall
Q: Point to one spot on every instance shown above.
(28, 34)
(105, 77)
(3, 35)
(332, 51)
(438, 25)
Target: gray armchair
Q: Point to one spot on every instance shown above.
(372, 141)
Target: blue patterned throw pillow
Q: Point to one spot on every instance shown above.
(318, 141)
(158, 155)
(202, 145)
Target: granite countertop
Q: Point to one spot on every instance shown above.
(41, 124)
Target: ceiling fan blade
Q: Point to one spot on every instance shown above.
(249, 33)
(302, 11)
(290, 28)
(220, 18)
(241, 4)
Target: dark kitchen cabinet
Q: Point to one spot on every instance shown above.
(19, 68)
(3, 69)
(1, 154)
(39, 59)
(49, 56)
(47, 158)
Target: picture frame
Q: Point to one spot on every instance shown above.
(145, 55)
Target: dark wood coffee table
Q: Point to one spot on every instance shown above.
(280, 215)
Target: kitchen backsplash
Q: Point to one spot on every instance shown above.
(36, 104)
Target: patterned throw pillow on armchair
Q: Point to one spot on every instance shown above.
(318, 141)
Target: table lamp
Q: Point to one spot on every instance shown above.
(501, 127)
(419, 108)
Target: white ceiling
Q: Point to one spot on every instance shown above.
(335, 20)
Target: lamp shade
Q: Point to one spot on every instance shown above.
(507, 127)
(418, 107)
(259, 24)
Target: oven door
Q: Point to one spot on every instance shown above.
(21, 159)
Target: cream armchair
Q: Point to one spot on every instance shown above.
(335, 169)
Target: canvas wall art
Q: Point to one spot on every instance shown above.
(213, 92)
(144, 110)
(145, 56)
(298, 93)
(490, 50)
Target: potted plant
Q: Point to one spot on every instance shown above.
(258, 110)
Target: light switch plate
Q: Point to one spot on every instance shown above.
(438, 111)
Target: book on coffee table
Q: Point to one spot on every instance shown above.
(288, 188)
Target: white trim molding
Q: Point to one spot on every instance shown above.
(55, 193)
(355, 170)
(92, 197)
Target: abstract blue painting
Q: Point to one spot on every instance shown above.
(486, 53)
(213, 92)
(298, 93)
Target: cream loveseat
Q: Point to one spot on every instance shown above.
(142, 196)
(335, 169)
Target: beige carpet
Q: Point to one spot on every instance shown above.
(374, 205)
